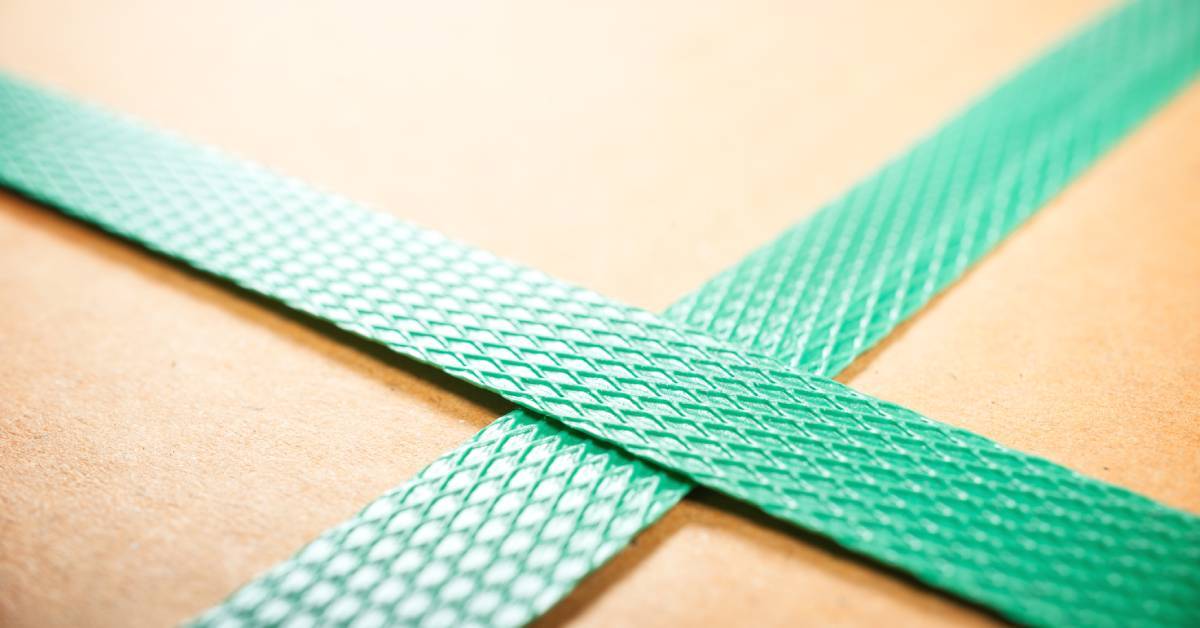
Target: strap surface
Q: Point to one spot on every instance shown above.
(962, 513)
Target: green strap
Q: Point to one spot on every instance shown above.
(828, 289)
(1031, 539)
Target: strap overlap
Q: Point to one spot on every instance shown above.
(1033, 540)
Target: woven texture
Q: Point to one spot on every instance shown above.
(1031, 539)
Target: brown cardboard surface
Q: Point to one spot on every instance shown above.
(163, 439)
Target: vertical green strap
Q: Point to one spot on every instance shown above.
(499, 529)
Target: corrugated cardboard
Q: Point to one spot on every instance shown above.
(163, 439)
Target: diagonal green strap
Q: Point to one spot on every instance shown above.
(827, 290)
(1032, 539)
(870, 236)
(567, 522)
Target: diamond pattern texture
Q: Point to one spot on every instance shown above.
(829, 288)
(489, 534)
(1035, 541)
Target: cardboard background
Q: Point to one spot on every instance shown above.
(163, 439)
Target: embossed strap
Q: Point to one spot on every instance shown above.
(1033, 540)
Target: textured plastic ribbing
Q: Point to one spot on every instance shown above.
(828, 289)
(255, 234)
(458, 558)
(785, 291)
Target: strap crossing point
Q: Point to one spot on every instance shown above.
(337, 260)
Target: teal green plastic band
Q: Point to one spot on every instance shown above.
(869, 236)
(1035, 541)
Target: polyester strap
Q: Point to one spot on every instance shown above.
(1031, 539)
